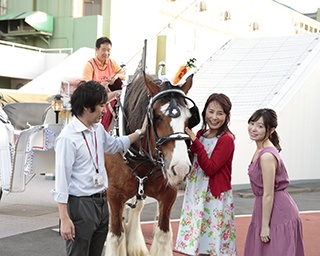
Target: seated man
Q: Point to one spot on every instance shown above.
(107, 72)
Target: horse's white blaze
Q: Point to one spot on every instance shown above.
(115, 245)
(136, 245)
(180, 159)
(162, 243)
(180, 162)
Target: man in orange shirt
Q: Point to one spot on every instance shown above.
(107, 72)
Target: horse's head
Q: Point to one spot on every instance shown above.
(169, 112)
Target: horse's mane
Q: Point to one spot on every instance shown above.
(135, 103)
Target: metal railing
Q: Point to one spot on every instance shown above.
(37, 49)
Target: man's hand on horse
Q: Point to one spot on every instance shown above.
(113, 95)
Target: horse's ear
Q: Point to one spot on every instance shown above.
(153, 88)
(187, 85)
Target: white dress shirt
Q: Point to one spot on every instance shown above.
(75, 164)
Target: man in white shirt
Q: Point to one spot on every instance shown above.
(81, 178)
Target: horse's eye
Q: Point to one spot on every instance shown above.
(157, 118)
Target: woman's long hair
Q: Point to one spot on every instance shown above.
(270, 120)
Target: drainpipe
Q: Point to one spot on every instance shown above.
(34, 5)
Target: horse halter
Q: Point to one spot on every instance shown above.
(145, 155)
(174, 112)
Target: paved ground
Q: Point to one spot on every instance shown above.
(28, 219)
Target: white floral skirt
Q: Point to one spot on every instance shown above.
(207, 224)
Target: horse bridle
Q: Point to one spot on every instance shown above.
(174, 112)
(144, 156)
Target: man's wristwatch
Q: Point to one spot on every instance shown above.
(139, 132)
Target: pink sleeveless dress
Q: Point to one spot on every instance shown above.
(285, 224)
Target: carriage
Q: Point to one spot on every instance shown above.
(29, 125)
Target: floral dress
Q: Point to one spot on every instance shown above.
(207, 223)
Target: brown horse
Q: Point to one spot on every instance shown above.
(154, 166)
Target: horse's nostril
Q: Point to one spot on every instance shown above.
(174, 172)
(185, 177)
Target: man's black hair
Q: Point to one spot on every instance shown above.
(103, 40)
(88, 94)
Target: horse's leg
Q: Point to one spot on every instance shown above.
(136, 244)
(115, 245)
(119, 191)
(162, 241)
(123, 247)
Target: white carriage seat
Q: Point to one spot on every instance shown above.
(6, 154)
(35, 136)
(23, 115)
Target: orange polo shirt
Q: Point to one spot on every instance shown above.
(99, 71)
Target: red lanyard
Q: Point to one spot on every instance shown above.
(95, 164)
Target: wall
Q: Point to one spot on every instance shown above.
(17, 62)
(15, 6)
(83, 25)
(299, 130)
(62, 10)
(25, 64)
(244, 150)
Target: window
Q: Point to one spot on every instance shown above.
(19, 26)
(91, 7)
(3, 7)
(225, 16)
(15, 25)
(254, 26)
(202, 6)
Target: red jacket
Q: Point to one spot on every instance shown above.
(219, 166)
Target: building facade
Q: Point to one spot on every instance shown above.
(175, 30)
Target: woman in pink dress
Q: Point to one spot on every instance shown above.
(275, 228)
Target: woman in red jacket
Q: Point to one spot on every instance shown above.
(207, 225)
